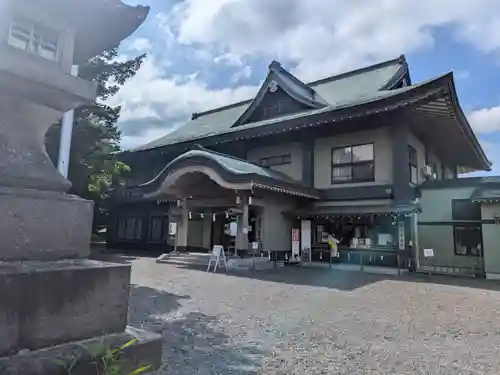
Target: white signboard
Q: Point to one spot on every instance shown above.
(428, 253)
(255, 246)
(172, 229)
(217, 257)
(233, 228)
(217, 250)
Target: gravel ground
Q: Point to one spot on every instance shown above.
(316, 321)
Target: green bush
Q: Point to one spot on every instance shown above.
(106, 361)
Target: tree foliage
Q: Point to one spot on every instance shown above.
(94, 164)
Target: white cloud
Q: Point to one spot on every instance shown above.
(229, 58)
(140, 45)
(319, 37)
(131, 141)
(485, 120)
(244, 73)
(153, 103)
(462, 74)
(327, 36)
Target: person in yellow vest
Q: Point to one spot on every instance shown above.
(333, 242)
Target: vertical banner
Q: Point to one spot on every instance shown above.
(401, 235)
(295, 244)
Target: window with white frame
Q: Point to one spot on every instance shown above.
(33, 37)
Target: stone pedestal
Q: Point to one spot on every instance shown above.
(146, 351)
(43, 225)
(51, 296)
(68, 300)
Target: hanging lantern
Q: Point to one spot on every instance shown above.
(213, 217)
(190, 216)
(202, 216)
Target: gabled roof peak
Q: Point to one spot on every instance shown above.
(274, 65)
(278, 77)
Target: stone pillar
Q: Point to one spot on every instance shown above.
(55, 302)
(73, 301)
(242, 233)
(415, 241)
(183, 228)
(39, 221)
(46, 237)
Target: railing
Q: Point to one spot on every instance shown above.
(466, 271)
(364, 256)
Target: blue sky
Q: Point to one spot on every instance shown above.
(204, 54)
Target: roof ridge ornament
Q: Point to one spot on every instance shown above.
(273, 86)
(274, 65)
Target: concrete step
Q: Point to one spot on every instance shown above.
(236, 263)
(184, 259)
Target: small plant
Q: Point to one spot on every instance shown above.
(106, 361)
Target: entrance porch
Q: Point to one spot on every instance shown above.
(221, 200)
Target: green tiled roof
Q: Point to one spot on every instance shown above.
(231, 164)
(347, 89)
(233, 169)
(484, 193)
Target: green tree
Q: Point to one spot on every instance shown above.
(96, 138)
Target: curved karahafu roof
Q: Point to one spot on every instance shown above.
(228, 172)
(100, 24)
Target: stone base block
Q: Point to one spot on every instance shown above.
(79, 355)
(39, 225)
(248, 264)
(49, 303)
(492, 276)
